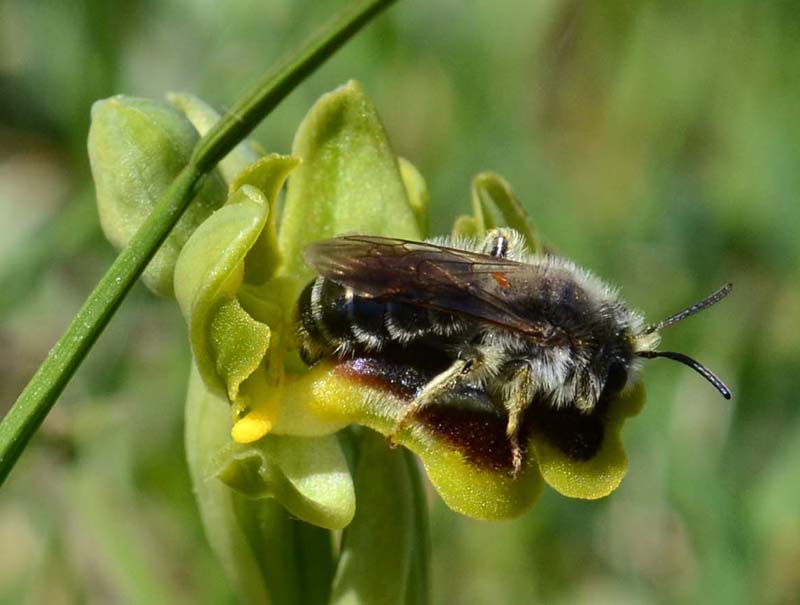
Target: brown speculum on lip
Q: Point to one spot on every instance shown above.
(468, 420)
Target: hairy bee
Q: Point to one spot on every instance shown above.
(525, 330)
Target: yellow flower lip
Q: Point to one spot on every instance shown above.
(472, 425)
(332, 395)
(468, 423)
(462, 443)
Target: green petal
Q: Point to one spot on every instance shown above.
(237, 344)
(327, 397)
(377, 546)
(136, 148)
(208, 274)
(264, 257)
(228, 343)
(491, 191)
(307, 475)
(467, 227)
(349, 180)
(600, 475)
(203, 117)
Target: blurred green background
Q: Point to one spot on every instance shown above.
(656, 143)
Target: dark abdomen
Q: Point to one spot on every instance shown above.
(334, 321)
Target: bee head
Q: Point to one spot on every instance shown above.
(647, 340)
(605, 362)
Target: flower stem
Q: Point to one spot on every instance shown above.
(418, 591)
(65, 357)
(376, 548)
(313, 553)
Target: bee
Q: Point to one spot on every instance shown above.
(523, 329)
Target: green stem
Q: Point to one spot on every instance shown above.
(386, 547)
(65, 357)
(418, 589)
(313, 553)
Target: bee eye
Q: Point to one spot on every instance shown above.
(617, 376)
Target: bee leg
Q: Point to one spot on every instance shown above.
(432, 391)
(520, 393)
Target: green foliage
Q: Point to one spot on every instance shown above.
(654, 143)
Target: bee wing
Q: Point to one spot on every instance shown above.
(458, 282)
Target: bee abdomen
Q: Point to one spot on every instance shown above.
(406, 323)
(333, 320)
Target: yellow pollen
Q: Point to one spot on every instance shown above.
(251, 428)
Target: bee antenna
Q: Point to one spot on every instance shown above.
(689, 311)
(695, 365)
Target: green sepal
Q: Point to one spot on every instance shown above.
(375, 559)
(136, 149)
(203, 117)
(307, 475)
(349, 179)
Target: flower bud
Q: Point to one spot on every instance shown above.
(136, 149)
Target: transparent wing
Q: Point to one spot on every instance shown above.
(450, 280)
